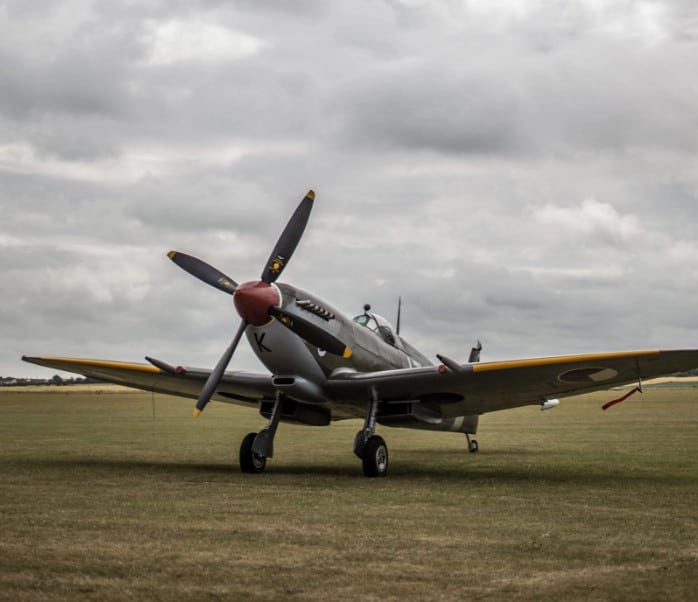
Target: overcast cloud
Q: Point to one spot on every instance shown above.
(524, 173)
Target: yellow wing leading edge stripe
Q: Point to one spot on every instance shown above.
(102, 364)
(563, 359)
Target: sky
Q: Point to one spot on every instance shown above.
(525, 173)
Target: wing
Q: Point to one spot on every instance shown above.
(485, 387)
(236, 387)
(467, 390)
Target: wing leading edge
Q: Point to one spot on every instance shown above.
(235, 387)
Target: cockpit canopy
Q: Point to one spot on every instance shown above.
(379, 325)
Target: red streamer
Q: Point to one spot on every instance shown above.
(615, 401)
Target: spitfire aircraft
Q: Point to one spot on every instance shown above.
(325, 367)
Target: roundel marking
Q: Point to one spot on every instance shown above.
(588, 375)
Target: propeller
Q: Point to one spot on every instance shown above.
(259, 301)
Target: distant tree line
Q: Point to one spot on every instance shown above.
(56, 380)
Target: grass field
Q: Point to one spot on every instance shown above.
(101, 500)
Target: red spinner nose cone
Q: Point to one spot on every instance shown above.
(253, 300)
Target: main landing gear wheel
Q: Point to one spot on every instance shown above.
(375, 457)
(250, 462)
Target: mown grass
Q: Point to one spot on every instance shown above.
(100, 500)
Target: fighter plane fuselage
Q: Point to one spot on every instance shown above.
(375, 347)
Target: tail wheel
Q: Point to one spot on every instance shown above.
(249, 461)
(375, 457)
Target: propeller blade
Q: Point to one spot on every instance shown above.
(311, 333)
(214, 378)
(288, 241)
(203, 271)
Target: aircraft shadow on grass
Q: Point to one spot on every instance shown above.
(413, 473)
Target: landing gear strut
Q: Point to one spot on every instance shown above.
(256, 448)
(370, 447)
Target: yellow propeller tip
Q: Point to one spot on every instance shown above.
(197, 412)
(171, 254)
(311, 195)
(347, 353)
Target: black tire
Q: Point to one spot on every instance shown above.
(375, 457)
(250, 462)
(473, 447)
